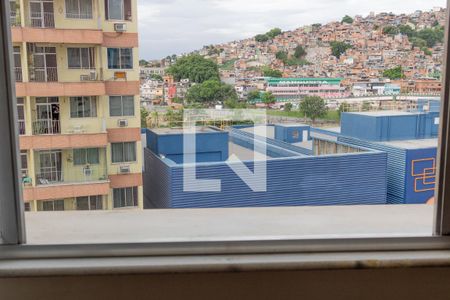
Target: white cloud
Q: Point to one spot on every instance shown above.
(178, 26)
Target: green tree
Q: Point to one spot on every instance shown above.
(394, 73)
(347, 19)
(427, 51)
(268, 98)
(211, 92)
(156, 77)
(418, 42)
(313, 107)
(288, 107)
(366, 106)
(261, 38)
(195, 67)
(144, 116)
(390, 30)
(432, 35)
(274, 32)
(143, 63)
(300, 52)
(282, 55)
(344, 107)
(253, 95)
(268, 72)
(406, 30)
(339, 48)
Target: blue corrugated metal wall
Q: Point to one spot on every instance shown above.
(291, 134)
(272, 142)
(355, 179)
(389, 128)
(210, 146)
(396, 167)
(157, 179)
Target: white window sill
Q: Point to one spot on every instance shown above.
(222, 263)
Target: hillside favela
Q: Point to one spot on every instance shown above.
(351, 112)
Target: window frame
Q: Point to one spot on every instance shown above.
(12, 207)
(90, 58)
(92, 104)
(79, 11)
(121, 67)
(123, 153)
(122, 115)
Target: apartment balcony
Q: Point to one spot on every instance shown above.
(42, 127)
(41, 20)
(14, 19)
(22, 127)
(43, 74)
(69, 166)
(18, 74)
(87, 173)
(57, 82)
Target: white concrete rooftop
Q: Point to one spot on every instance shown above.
(132, 226)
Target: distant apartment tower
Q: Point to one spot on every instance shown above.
(295, 89)
(77, 88)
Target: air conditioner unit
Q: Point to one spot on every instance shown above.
(124, 169)
(84, 78)
(87, 171)
(120, 27)
(93, 75)
(122, 123)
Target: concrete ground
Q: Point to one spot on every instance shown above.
(121, 226)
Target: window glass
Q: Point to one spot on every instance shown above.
(115, 106)
(125, 197)
(83, 107)
(120, 58)
(82, 203)
(120, 106)
(79, 9)
(115, 9)
(117, 152)
(81, 58)
(89, 156)
(123, 152)
(74, 58)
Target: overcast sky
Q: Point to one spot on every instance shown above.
(179, 26)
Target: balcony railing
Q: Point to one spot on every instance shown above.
(45, 177)
(48, 74)
(42, 20)
(14, 19)
(42, 127)
(22, 127)
(18, 73)
(74, 174)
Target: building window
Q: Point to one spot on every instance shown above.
(79, 9)
(24, 163)
(120, 106)
(81, 58)
(83, 157)
(125, 197)
(27, 206)
(118, 10)
(53, 205)
(123, 152)
(83, 107)
(120, 58)
(90, 203)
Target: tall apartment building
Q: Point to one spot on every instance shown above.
(77, 88)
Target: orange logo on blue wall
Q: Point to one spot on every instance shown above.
(424, 173)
